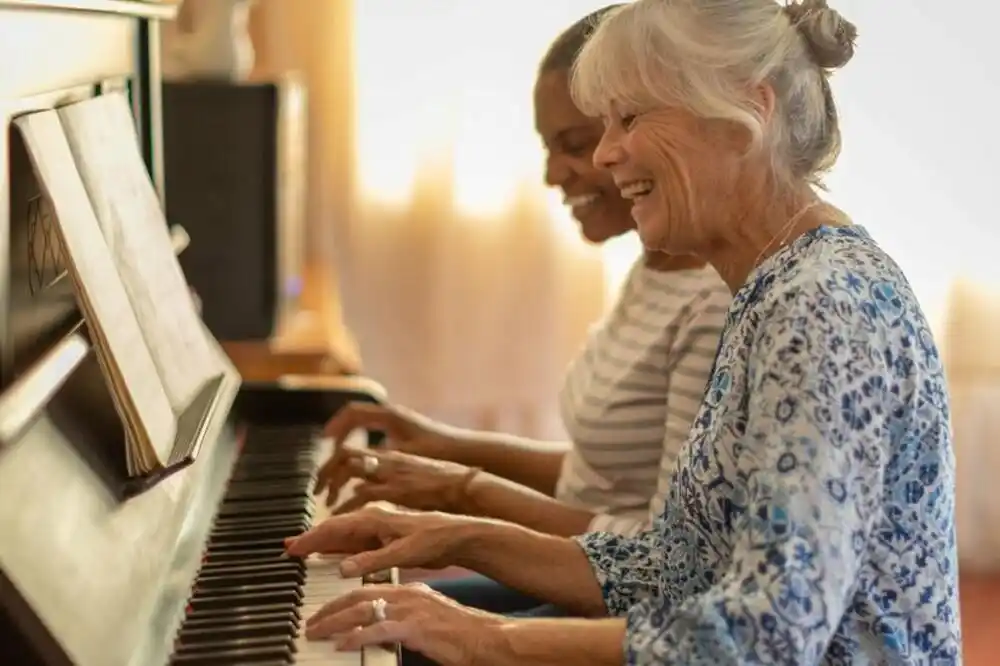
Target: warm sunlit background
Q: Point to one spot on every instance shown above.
(466, 86)
(463, 279)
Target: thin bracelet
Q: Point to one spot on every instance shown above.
(461, 490)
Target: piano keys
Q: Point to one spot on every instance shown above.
(249, 602)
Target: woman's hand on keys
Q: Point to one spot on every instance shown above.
(407, 480)
(412, 615)
(378, 538)
(405, 431)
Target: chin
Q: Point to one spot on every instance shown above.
(654, 243)
(603, 229)
(656, 237)
(596, 236)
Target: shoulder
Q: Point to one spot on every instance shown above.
(838, 313)
(841, 282)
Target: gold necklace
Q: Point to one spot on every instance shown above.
(787, 230)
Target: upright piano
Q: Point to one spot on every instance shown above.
(94, 572)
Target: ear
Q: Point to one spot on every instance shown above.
(762, 98)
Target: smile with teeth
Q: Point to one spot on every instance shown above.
(636, 189)
(581, 200)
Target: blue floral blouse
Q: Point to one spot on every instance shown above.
(811, 518)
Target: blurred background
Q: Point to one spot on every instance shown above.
(432, 258)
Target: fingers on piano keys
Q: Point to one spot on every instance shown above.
(249, 602)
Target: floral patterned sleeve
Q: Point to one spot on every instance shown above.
(626, 567)
(795, 500)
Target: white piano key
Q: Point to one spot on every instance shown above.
(325, 583)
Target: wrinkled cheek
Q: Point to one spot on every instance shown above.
(670, 153)
(673, 192)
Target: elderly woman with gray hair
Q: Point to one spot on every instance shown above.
(811, 515)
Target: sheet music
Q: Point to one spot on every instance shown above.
(101, 134)
(114, 328)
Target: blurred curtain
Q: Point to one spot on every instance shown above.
(461, 277)
(972, 360)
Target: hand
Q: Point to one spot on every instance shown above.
(405, 431)
(406, 480)
(378, 539)
(413, 615)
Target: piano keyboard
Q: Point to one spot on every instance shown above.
(249, 604)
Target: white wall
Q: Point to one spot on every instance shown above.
(921, 147)
(919, 162)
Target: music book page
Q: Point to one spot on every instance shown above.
(118, 341)
(101, 134)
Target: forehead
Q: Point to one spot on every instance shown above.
(555, 111)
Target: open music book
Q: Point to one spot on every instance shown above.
(153, 347)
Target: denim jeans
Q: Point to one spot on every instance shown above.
(485, 594)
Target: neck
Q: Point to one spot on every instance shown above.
(660, 261)
(762, 231)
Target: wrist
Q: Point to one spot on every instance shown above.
(496, 647)
(461, 499)
(436, 445)
(475, 537)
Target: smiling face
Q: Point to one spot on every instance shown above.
(674, 168)
(570, 139)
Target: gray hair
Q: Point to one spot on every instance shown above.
(708, 55)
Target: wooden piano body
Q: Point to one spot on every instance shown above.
(87, 577)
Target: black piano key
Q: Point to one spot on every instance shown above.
(237, 570)
(263, 508)
(237, 630)
(291, 522)
(273, 552)
(242, 536)
(250, 544)
(284, 643)
(234, 612)
(246, 600)
(237, 657)
(225, 601)
(249, 619)
(286, 578)
(245, 519)
(231, 591)
(242, 522)
(287, 491)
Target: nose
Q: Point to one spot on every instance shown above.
(609, 152)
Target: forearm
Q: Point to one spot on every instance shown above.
(559, 643)
(494, 497)
(554, 569)
(529, 462)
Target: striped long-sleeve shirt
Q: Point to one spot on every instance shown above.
(630, 397)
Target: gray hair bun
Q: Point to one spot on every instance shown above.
(829, 36)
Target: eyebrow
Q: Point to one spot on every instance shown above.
(570, 132)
